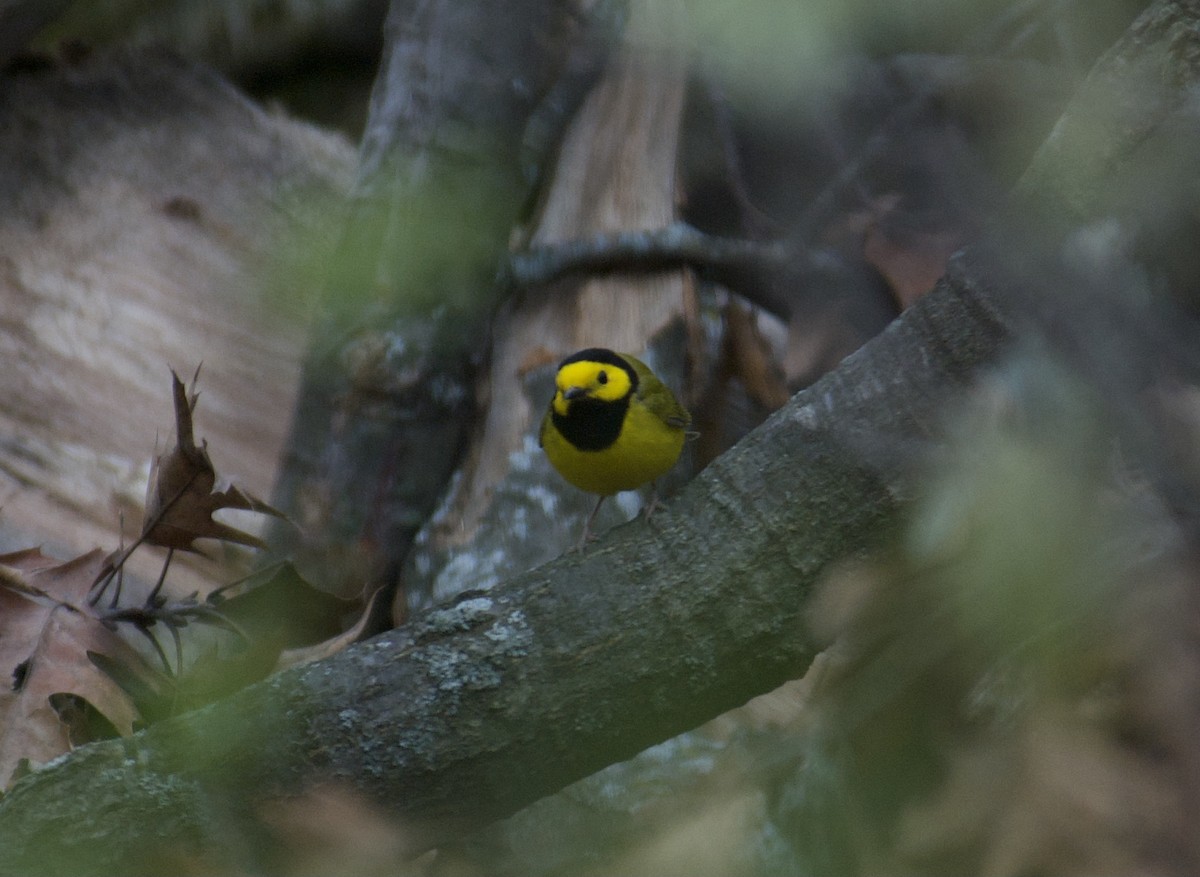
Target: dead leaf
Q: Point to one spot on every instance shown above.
(183, 492)
(333, 645)
(911, 259)
(280, 606)
(910, 262)
(46, 632)
(277, 619)
(907, 253)
(83, 721)
(159, 695)
(751, 359)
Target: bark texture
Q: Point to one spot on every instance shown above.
(389, 383)
(502, 697)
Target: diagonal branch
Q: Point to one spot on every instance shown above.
(494, 701)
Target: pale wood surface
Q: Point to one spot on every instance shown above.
(615, 171)
(142, 200)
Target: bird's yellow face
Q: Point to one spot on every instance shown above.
(586, 379)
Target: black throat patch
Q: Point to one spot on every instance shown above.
(592, 425)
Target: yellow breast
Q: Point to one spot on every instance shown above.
(644, 450)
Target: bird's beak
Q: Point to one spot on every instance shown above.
(573, 393)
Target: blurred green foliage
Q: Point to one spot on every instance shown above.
(774, 52)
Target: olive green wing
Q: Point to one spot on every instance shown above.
(657, 396)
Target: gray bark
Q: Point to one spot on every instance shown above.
(492, 702)
(390, 378)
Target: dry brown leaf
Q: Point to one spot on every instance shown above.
(911, 262)
(910, 259)
(265, 615)
(752, 360)
(183, 492)
(333, 645)
(46, 632)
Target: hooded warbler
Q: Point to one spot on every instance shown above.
(611, 426)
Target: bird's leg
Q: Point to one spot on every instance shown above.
(652, 506)
(588, 535)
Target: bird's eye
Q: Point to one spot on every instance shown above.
(602, 377)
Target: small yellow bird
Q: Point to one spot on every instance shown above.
(611, 426)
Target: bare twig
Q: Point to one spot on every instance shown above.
(115, 566)
(174, 617)
(152, 597)
(673, 245)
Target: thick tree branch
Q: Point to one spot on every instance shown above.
(1133, 89)
(503, 697)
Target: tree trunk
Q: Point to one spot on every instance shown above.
(388, 392)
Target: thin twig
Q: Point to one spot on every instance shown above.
(162, 655)
(117, 565)
(152, 597)
(220, 592)
(116, 598)
(178, 646)
(210, 615)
